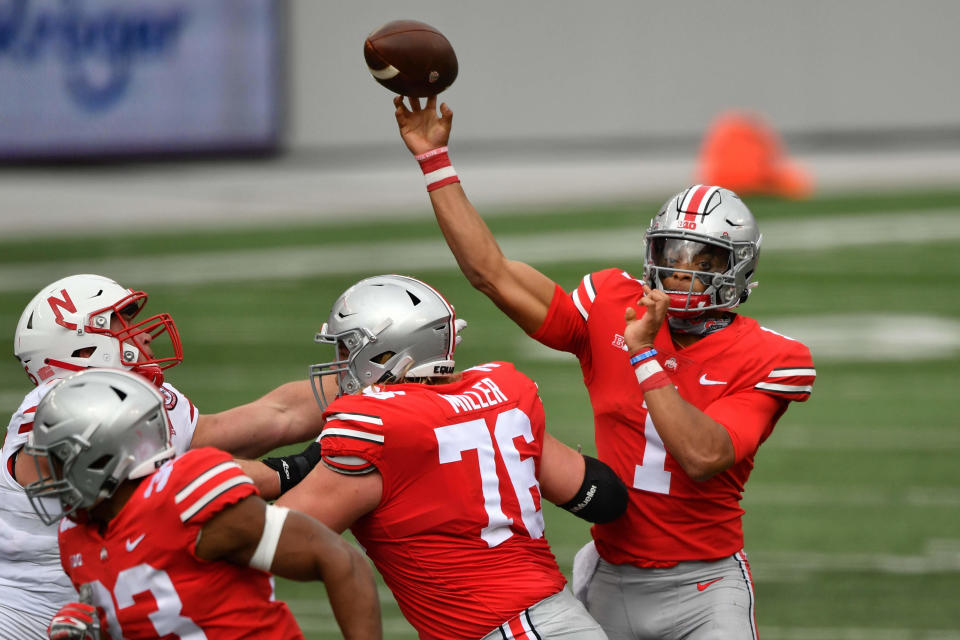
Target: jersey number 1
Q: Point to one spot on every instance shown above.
(454, 439)
(651, 474)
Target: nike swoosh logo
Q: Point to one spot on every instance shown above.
(703, 585)
(132, 544)
(706, 381)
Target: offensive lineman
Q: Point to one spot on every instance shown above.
(440, 475)
(683, 390)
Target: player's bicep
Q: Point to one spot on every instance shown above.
(234, 532)
(561, 471)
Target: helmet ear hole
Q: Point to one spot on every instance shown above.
(383, 358)
(100, 463)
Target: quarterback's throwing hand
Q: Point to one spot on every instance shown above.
(75, 621)
(422, 128)
(640, 331)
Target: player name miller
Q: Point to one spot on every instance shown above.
(487, 394)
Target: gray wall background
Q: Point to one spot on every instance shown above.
(634, 70)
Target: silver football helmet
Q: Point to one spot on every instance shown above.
(87, 320)
(92, 431)
(709, 234)
(385, 329)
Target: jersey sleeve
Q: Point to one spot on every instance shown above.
(206, 481)
(789, 374)
(748, 417)
(352, 440)
(789, 382)
(183, 416)
(565, 327)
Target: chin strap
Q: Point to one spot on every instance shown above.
(701, 325)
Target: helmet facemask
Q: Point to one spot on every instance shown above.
(708, 282)
(51, 495)
(358, 363)
(133, 338)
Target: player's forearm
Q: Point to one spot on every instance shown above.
(700, 444)
(469, 238)
(266, 479)
(353, 595)
(286, 415)
(520, 291)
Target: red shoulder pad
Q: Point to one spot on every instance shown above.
(350, 429)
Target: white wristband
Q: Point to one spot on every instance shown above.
(272, 526)
(647, 369)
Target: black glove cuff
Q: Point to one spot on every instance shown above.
(294, 468)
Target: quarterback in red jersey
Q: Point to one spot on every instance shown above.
(440, 475)
(167, 546)
(683, 391)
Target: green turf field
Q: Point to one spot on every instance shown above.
(853, 510)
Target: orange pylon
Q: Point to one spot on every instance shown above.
(742, 153)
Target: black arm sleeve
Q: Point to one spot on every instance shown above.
(602, 496)
(294, 468)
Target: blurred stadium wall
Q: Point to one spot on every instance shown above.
(587, 100)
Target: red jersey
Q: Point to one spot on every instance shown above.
(144, 571)
(743, 376)
(458, 534)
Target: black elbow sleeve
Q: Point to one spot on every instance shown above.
(602, 496)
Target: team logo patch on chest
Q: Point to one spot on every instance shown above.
(620, 342)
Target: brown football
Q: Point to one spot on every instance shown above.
(410, 58)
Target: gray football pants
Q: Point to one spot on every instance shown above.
(691, 601)
(560, 616)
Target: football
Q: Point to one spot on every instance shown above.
(410, 58)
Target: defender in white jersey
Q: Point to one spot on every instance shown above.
(84, 321)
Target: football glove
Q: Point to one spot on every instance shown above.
(75, 621)
(294, 468)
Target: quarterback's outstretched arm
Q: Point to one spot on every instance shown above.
(519, 290)
(295, 546)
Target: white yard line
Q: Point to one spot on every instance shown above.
(607, 245)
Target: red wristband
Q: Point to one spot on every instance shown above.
(436, 167)
(651, 375)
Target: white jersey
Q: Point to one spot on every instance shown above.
(31, 577)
